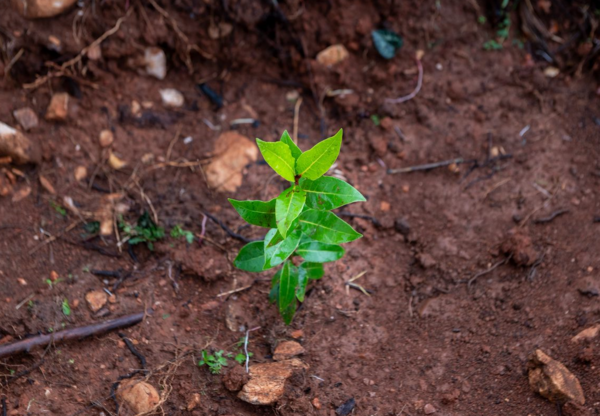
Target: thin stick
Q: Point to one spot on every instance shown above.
(69, 334)
(246, 346)
(203, 229)
(24, 301)
(494, 267)
(429, 166)
(551, 216)
(54, 237)
(235, 290)
(228, 230)
(415, 92)
(296, 119)
(12, 62)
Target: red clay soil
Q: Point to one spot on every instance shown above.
(436, 329)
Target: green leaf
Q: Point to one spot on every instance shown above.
(314, 271)
(386, 42)
(288, 313)
(251, 257)
(285, 138)
(315, 162)
(278, 249)
(66, 308)
(274, 293)
(256, 212)
(302, 282)
(288, 280)
(287, 208)
(316, 252)
(327, 193)
(279, 156)
(326, 227)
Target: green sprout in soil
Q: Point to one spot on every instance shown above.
(60, 210)
(301, 223)
(66, 308)
(178, 232)
(214, 362)
(146, 231)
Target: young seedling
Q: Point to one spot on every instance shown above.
(178, 232)
(214, 362)
(301, 223)
(146, 231)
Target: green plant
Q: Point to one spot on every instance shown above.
(66, 308)
(146, 231)
(214, 362)
(60, 210)
(300, 219)
(178, 232)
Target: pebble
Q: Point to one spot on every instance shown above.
(171, 97)
(115, 162)
(36, 9)
(58, 109)
(156, 62)
(193, 402)
(106, 138)
(587, 334)
(267, 381)
(96, 299)
(26, 117)
(80, 173)
(232, 152)
(332, 55)
(402, 226)
(552, 380)
(316, 403)
(220, 30)
(17, 146)
(286, 350)
(429, 409)
(551, 72)
(139, 396)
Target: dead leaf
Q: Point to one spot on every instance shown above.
(47, 185)
(21, 194)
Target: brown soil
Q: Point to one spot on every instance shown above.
(425, 335)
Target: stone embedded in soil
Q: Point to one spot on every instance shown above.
(587, 334)
(115, 162)
(332, 55)
(426, 260)
(171, 97)
(521, 247)
(35, 9)
(589, 286)
(58, 109)
(428, 409)
(193, 402)
(286, 350)
(138, 396)
(106, 138)
(17, 146)
(232, 153)
(80, 173)
(26, 117)
(156, 62)
(402, 226)
(346, 408)
(379, 145)
(96, 299)
(267, 381)
(235, 378)
(552, 380)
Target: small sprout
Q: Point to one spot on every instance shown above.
(165, 315)
(241, 357)
(300, 220)
(71, 361)
(375, 119)
(482, 19)
(92, 227)
(60, 210)
(12, 372)
(50, 329)
(386, 42)
(214, 362)
(146, 231)
(66, 309)
(178, 232)
(30, 304)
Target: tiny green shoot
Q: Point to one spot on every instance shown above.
(215, 363)
(299, 220)
(59, 209)
(66, 308)
(146, 231)
(178, 232)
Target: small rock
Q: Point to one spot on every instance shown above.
(232, 153)
(17, 146)
(22, 281)
(428, 409)
(402, 226)
(553, 380)
(316, 403)
(75, 304)
(551, 72)
(171, 97)
(58, 109)
(35, 9)
(386, 123)
(235, 378)
(106, 138)
(21, 194)
(520, 246)
(115, 162)
(193, 402)
(589, 286)
(26, 117)
(139, 396)
(346, 407)
(80, 173)
(297, 334)
(112, 299)
(156, 62)
(379, 144)
(452, 397)
(287, 350)
(332, 55)
(267, 381)
(221, 30)
(587, 334)
(426, 260)
(96, 299)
